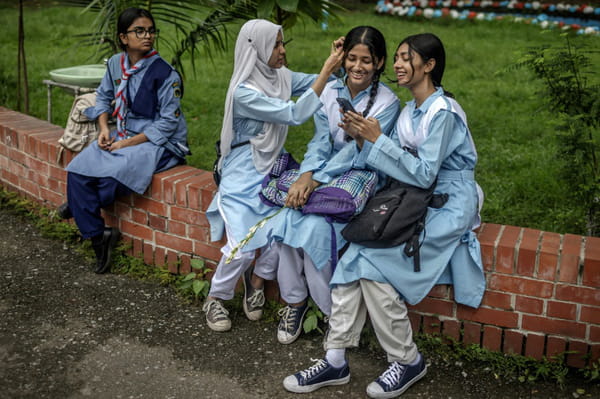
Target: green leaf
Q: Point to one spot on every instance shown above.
(197, 286)
(264, 8)
(310, 323)
(197, 264)
(288, 5)
(189, 276)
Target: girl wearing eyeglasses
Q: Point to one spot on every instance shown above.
(142, 92)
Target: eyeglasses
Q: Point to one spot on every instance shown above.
(140, 32)
(281, 43)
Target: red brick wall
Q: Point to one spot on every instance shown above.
(543, 289)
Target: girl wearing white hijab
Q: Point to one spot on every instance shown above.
(257, 114)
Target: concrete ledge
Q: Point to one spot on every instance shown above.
(543, 294)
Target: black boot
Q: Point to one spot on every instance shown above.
(64, 212)
(103, 246)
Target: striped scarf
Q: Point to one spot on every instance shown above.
(121, 105)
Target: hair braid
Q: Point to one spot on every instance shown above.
(372, 94)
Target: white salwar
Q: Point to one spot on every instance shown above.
(257, 109)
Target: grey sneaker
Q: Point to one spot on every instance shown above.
(254, 298)
(217, 317)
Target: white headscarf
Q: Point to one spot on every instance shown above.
(253, 48)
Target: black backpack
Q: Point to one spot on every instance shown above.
(394, 216)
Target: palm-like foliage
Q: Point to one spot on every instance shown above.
(196, 22)
(287, 12)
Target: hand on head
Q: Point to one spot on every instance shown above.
(336, 57)
(337, 44)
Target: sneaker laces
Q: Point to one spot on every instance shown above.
(288, 317)
(392, 375)
(215, 308)
(257, 299)
(314, 369)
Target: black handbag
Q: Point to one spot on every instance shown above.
(394, 216)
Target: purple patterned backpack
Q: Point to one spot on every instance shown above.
(338, 200)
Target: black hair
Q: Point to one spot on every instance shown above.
(375, 42)
(429, 46)
(126, 18)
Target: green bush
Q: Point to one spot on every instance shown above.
(572, 91)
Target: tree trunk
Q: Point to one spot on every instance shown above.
(22, 82)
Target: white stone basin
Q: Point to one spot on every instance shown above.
(80, 75)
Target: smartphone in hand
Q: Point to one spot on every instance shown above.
(345, 104)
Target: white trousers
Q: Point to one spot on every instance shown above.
(297, 276)
(388, 313)
(226, 275)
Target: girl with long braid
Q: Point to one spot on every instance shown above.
(380, 281)
(304, 241)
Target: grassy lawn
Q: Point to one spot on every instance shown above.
(511, 128)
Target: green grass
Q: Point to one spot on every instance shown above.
(512, 129)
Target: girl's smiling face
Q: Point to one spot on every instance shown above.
(410, 68)
(360, 68)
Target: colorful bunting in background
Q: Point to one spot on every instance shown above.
(581, 18)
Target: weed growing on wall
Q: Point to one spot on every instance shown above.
(500, 365)
(194, 285)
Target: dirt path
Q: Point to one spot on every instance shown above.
(68, 333)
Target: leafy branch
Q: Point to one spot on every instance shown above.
(572, 92)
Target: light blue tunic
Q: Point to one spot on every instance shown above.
(134, 166)
(313, 233)
(450, 252)
(240, 181)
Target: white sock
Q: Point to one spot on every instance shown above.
(416, 361)
(336, 357)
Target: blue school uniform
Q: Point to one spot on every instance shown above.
(134, 166)
(237, 197)
(154, 94)
(328, 148)
(450, 251)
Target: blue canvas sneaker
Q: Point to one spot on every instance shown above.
(319, 375)
(290, 323)
(397, 379)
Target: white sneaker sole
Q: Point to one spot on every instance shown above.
(291, 384)
(220, 326)
(254, 315)
(385, 395)
(286, 338)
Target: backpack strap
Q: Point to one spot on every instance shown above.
(413, 245)
(334, 251)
